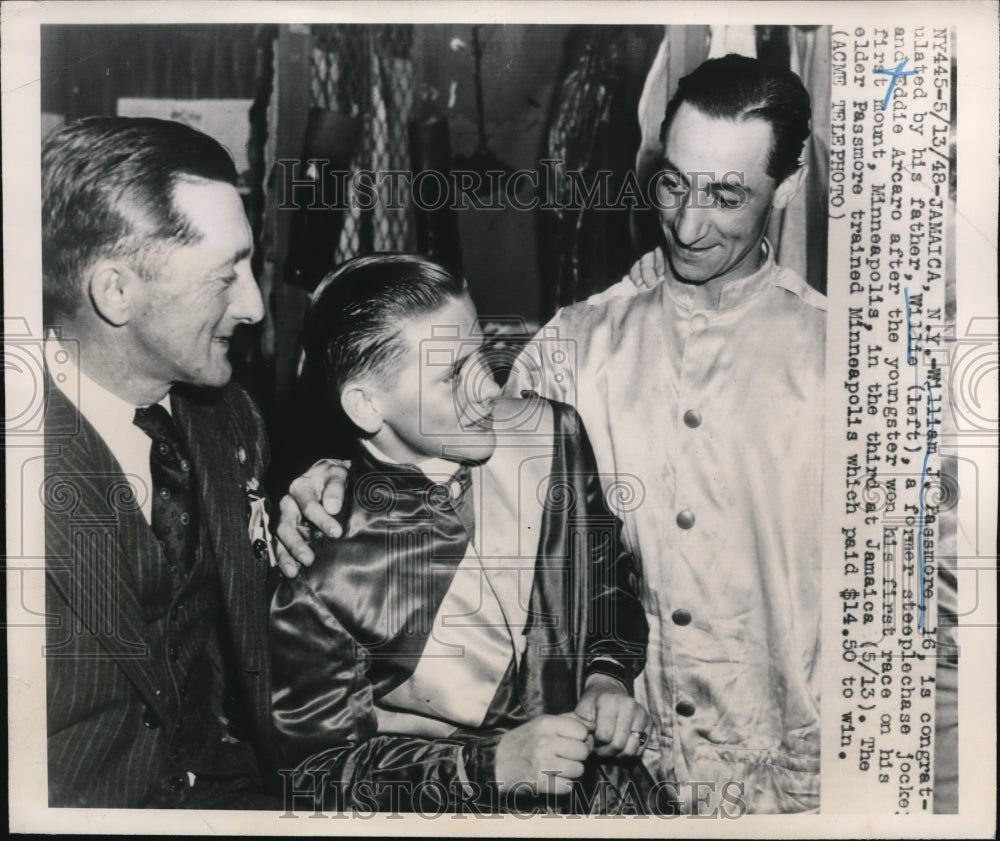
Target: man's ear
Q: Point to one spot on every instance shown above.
(361, 405)
(787, 189)
(109, 284)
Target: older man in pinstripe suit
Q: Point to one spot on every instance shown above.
(156, 535)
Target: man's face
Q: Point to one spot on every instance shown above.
(182, 320)
(440, 403)
(715, 195)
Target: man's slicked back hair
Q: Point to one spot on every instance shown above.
(358, 311)
(108, 192)
(737, 87)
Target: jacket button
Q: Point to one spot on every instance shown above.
(685, 708)
(178, 782)
(172, 653)
(681, 616)
(685, 519)
(692, 418)
(150, 719)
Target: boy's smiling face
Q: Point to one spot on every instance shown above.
(439, 404)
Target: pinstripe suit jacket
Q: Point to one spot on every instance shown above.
(104, 686)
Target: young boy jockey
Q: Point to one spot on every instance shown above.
(473, 636)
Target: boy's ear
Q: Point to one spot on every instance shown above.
(361, 407)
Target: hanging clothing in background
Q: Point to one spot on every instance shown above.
(366, 72)
(682, 49)
(653, 104)
(583, 245)
(724, 40)
(799, 230)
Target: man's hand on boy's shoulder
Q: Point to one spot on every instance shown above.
(315, 498)
(622, 726)
(649, 270)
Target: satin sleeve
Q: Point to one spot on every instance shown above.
(325, 724)
(617, 632)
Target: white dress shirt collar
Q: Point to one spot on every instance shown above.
(109, 414)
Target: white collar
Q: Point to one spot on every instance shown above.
(734, 293)
(110, 415)
(435, 469)
(88, 396)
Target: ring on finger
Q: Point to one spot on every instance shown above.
(640, 735)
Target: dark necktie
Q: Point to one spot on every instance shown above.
(175, 503)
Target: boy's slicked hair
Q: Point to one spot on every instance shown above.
(736, 87)
(358, 311)
(107, 192)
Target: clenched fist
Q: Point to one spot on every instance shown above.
(548, 753)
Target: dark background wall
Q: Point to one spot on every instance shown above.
(86, 69)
